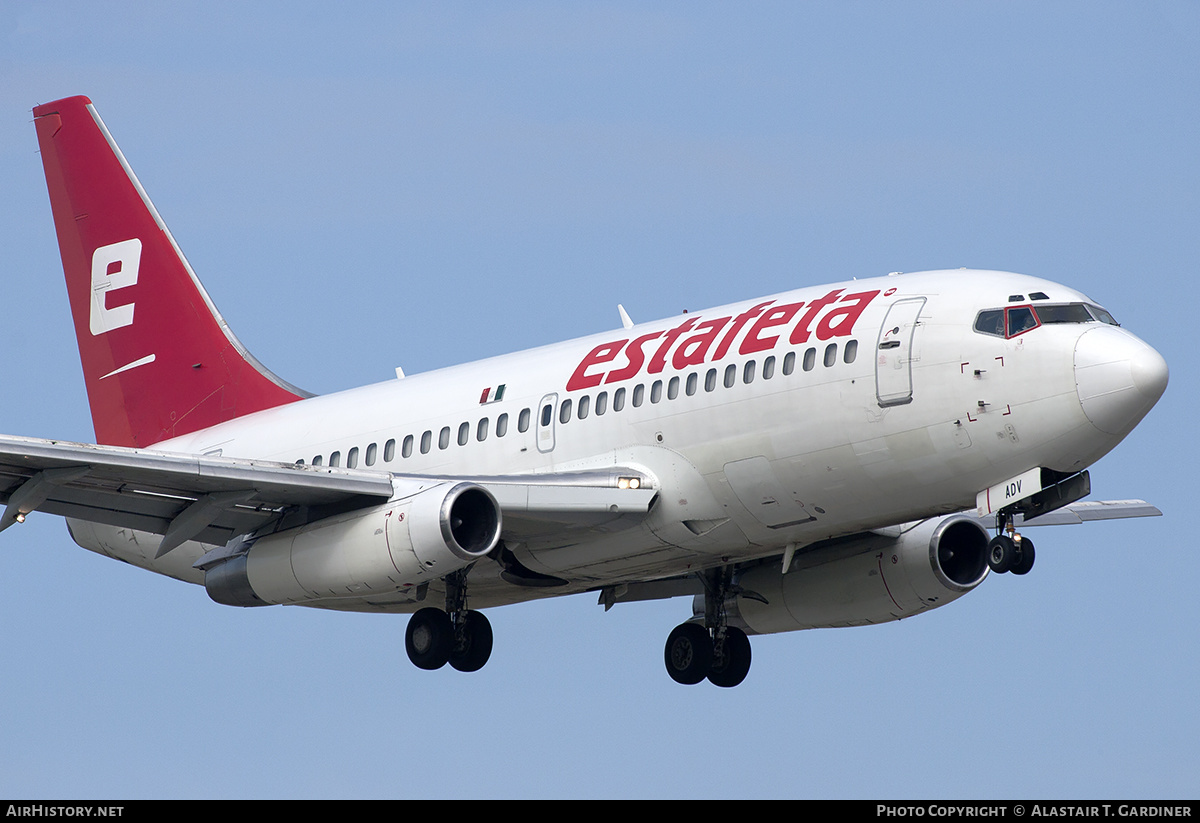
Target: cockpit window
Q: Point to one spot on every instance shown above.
(990, 322)
(1070, 313)
(1019, 319)
(1006, 322)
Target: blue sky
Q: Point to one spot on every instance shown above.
(422, 185)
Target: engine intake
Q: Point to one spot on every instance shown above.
(419, 536)
(870, 579)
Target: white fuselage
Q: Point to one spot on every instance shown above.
(785, 420)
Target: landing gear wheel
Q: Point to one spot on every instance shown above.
(734, 663)
(429, 639)
(1023, 562)
(473, 648)
(1002, 551)
(689, 653)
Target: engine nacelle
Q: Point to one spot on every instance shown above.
(421, 536)
(872, 579)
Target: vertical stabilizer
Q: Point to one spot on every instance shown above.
(158, 358)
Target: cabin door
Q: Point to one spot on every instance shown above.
(894, 353)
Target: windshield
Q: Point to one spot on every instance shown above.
(1014, 320)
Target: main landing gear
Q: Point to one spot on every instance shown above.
(458, 635)
(715, 650)
(1009, 552)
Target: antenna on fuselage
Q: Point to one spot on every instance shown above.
(625, 320)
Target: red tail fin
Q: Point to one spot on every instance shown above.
(158, 358)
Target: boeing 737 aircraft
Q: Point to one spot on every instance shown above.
(835, 456)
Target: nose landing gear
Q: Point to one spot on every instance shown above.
(1009, 552)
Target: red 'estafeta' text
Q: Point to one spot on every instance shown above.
(696, 340)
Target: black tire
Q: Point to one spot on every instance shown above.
(429, 639)
(472, 651)
(734, 664)
(1001, 553)
(688, 654)
(1024, 559)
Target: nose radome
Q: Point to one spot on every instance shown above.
(1119, 378)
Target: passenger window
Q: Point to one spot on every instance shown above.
(547, 414)
(444, 438)
(426, 441)
(502, 425)
(481, 430)
(810, 359)
(730, 375)
(352, 458)
(831, 354)
(618, 400)
(300, 462)
(318, 460)
(693, 382)
(372, 451)
(851, 352)
(710, 380)
(789, 362)
(406, 449)
(523, 420)
(656, 391)
(639, 395)
(389, 450)
(768, 368)
(564, 411)
(464, 433)
(335, 459)
(673, 388)
(601, 403)
(585, 405)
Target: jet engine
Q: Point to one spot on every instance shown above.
(412, 539)
(869, 579)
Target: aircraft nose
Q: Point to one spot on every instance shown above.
(1118, 378)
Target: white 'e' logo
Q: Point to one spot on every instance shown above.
(114, 266)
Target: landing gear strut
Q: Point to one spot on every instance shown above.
(715, 650)
(458, 636)
(1009, 552)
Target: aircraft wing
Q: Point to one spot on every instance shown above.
(183, 497)
(1075, 513)
(214, 499)
(1071, 514)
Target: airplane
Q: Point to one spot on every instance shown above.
(843, 455)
